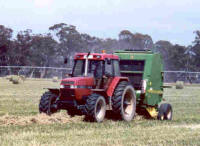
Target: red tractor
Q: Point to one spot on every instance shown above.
(94, 87)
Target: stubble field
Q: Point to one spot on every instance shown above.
(21, 124)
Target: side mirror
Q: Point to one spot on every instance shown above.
(65, 61)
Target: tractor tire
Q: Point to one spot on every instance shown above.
(124, 101)
(71, 113)
(165, 112)
(47, 99)
(95, 108)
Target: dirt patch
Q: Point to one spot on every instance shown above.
(38, 119)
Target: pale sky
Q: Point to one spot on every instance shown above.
(172, 20)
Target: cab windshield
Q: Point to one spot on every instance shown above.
(94, 68)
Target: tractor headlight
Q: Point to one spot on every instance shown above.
(73, 86)
(62, 86)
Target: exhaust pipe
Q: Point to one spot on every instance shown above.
(86, 65)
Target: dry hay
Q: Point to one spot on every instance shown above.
(23, 78)
(55, 79)
(11, 77)
(38, 119)
(16, 79)
(190, 126)
(39, 79)
(8, 77)
(179, 85)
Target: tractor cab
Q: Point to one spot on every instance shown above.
(94, 68)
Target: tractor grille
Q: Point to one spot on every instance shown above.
(67, 94)
(66, 86)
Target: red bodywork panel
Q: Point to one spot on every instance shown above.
(96, 56)
(87, 81)
(80, 81)
(82, 92)
(114, 84)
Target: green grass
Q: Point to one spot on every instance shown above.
(19, 102)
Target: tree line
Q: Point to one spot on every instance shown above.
(63, 40)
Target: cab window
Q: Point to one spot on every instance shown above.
(108, 68)
(116, 68)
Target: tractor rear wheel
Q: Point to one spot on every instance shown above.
(47, 99)
(95, 107)
(165, 112)
(124, 101)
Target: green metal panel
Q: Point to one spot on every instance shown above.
(152, 73)
(154, 90)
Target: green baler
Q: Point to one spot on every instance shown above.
(145, 72)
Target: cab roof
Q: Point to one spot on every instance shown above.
(95, 56)
(137, 55)
(135, 51)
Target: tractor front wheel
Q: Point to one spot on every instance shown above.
(165, 112)
(95, 108)
(124, 101)
(46, 101)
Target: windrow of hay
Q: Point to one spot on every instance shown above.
(179, 85)
(38, 119)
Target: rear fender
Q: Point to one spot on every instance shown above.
(114, 84)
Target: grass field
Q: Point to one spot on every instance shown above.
(21, 124)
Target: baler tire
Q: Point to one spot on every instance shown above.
(118, 101)
(165, 112)
(93, 113)
(45, 103)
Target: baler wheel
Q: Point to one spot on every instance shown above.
(165, 112)
(95, 107)
(124, 101)
(47, 99)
